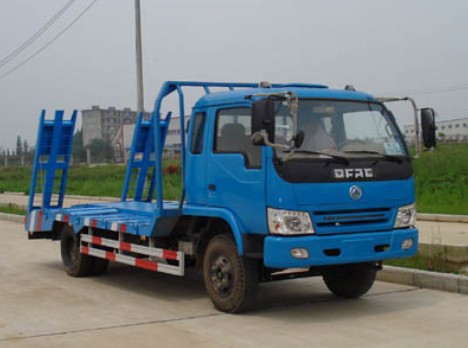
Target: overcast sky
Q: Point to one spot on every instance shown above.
(417, 47)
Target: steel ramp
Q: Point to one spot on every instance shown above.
(140, 176)
(50, 169)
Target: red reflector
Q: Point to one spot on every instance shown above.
(149, 265)
(96, 240)
(39, 221)
(170, 254)
(94, 223)
(125, 246)
(110, 256)
(123, 228)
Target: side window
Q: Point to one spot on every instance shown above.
(233, 135)
(198, 129)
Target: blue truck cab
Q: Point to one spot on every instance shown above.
(279, 181)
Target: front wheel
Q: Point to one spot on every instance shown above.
(350, 281)
(230, 279)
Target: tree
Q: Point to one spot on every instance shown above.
(79, 152)
(25, 147)
(19, 146)
(101, 150)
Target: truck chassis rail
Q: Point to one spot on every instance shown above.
(150, 258)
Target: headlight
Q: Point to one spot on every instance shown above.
(289, 222)
(405, 216)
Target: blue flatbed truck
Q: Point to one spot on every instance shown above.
(279, 181)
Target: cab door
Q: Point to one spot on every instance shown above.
(196, 153)
(235, 169)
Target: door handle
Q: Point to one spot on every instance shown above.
(212, 187)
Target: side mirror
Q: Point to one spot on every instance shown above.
(263, 118)
(428, 128)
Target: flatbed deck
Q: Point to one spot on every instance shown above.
(138, 218)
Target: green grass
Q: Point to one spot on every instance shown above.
(426, 263)
(441, 180)
(15, 179)
(100, 180)
(12, 209)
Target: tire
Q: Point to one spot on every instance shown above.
(230, 280)
(350, 281)
(75, 263)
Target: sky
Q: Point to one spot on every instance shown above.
(417, 48)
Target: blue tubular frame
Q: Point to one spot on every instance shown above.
(168, 88)
(128, 174)
(182, 140)
(32, 191)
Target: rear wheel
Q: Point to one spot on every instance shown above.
(75, 263)
(230, 280)
(350, 281)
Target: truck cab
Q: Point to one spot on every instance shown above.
(350, 199)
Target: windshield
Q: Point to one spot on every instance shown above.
(345, 128)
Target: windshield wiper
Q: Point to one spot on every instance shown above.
(391, 158)
(336, 157)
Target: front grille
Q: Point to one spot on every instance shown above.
(347, 221)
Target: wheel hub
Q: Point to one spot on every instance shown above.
(222, 276)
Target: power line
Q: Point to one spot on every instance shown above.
(36, 35)
(448, 89)
(8, 72)
(454, 88)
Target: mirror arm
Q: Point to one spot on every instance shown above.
(416, 127)
(416, 121)
(289, 155)
(264, 135)
(293, 105)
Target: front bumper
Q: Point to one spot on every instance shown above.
(339, 249)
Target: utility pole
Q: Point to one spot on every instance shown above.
(139, 59)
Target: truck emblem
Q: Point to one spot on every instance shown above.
(355, 173)
(355, 192)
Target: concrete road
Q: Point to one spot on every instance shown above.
(40, 306)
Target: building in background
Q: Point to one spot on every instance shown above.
(104, 124)
(116, 127)
(453, 131)
(123, 140)
(173, 134)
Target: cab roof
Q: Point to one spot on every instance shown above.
(302, 91)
